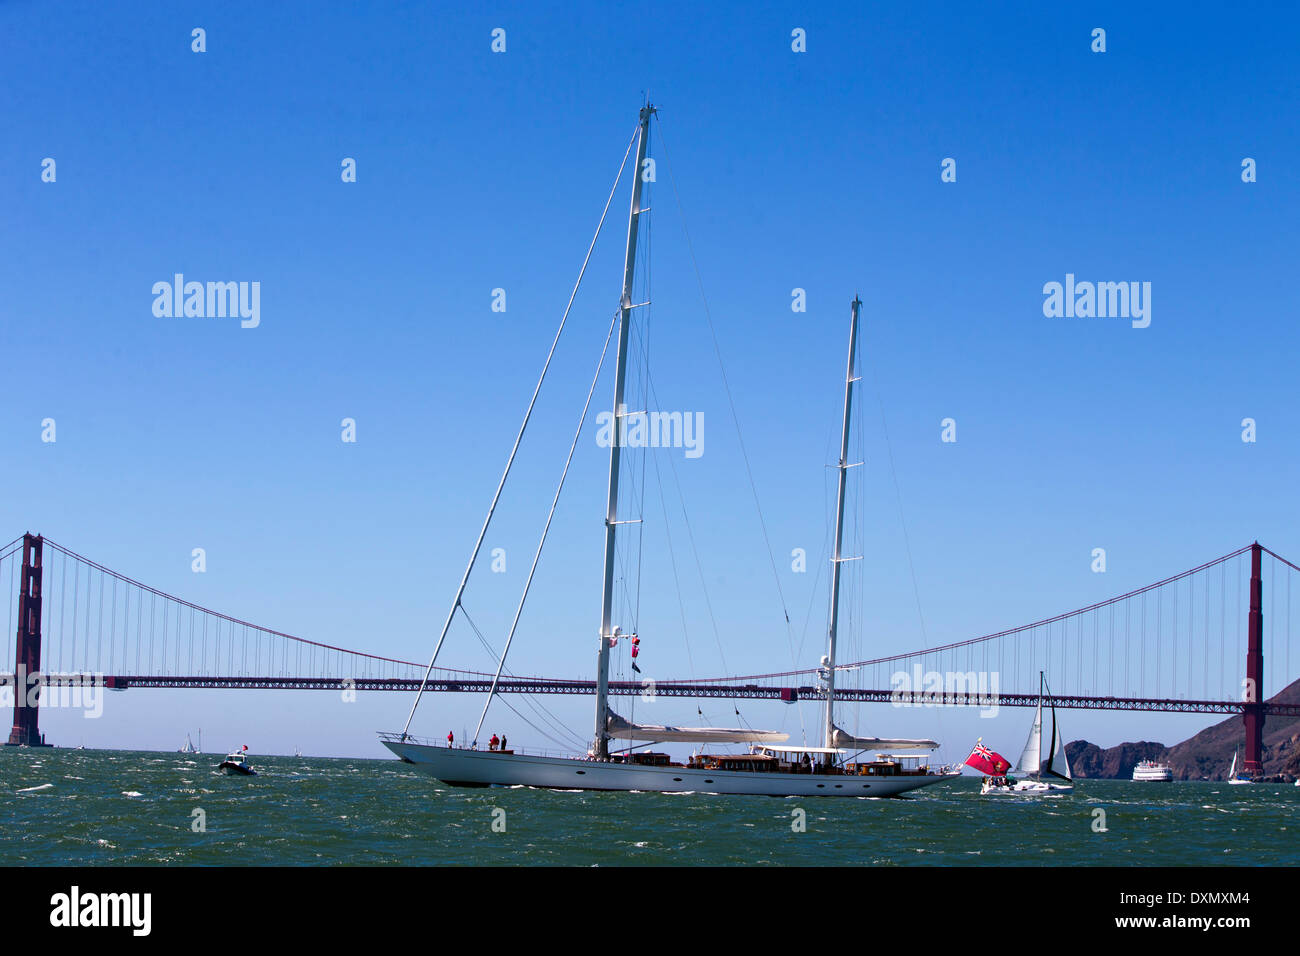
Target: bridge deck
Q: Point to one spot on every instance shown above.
(659, 689)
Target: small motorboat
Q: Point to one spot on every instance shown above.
(237, 763)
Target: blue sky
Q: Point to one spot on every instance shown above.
(816, 170)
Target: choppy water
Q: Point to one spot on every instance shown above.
(118, 807)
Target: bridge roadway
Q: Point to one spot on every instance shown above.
(519, 685)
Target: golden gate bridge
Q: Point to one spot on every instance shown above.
(1195, 642)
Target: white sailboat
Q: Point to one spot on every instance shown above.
(1043, 761)
(1235, 776)
(769, 768)
(189, 747)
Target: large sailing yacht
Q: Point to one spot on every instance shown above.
(770, 767)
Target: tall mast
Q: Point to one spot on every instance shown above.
(837, 559)
(601, 741)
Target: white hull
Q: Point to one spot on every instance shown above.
(481, 768)
(1156, 774)
(1029, 788)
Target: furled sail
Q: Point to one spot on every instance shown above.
(624, 730)
(842, 740)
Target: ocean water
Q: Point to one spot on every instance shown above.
(83, 808)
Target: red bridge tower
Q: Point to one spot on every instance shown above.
(28, 659)
(1253, 711)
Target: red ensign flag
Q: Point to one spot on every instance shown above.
(988, 761)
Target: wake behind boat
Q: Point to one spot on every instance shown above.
(835, 768)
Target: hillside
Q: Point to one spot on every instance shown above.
(1205, 756)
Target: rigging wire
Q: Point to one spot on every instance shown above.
(537, 555)
(690, 534)
(717, 350)
(543, 712)
(677, 583)
(518, 439)
(644, 340)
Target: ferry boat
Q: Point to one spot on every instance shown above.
(1150, 770)
(834, 768)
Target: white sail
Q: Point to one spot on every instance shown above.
(841, 740)
(1044, 758)
(624, 730)
(1030, 761)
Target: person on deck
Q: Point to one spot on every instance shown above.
(451, 739)
(492, 744)
(503, 741)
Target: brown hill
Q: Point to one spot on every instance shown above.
(1114, 763)
(1205, 756)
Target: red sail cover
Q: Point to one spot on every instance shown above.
(988, 761)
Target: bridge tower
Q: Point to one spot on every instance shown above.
(27, 663)
(1253, 712)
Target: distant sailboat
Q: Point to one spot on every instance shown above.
(1043, 759)
(1236, 776)
(189, 747)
